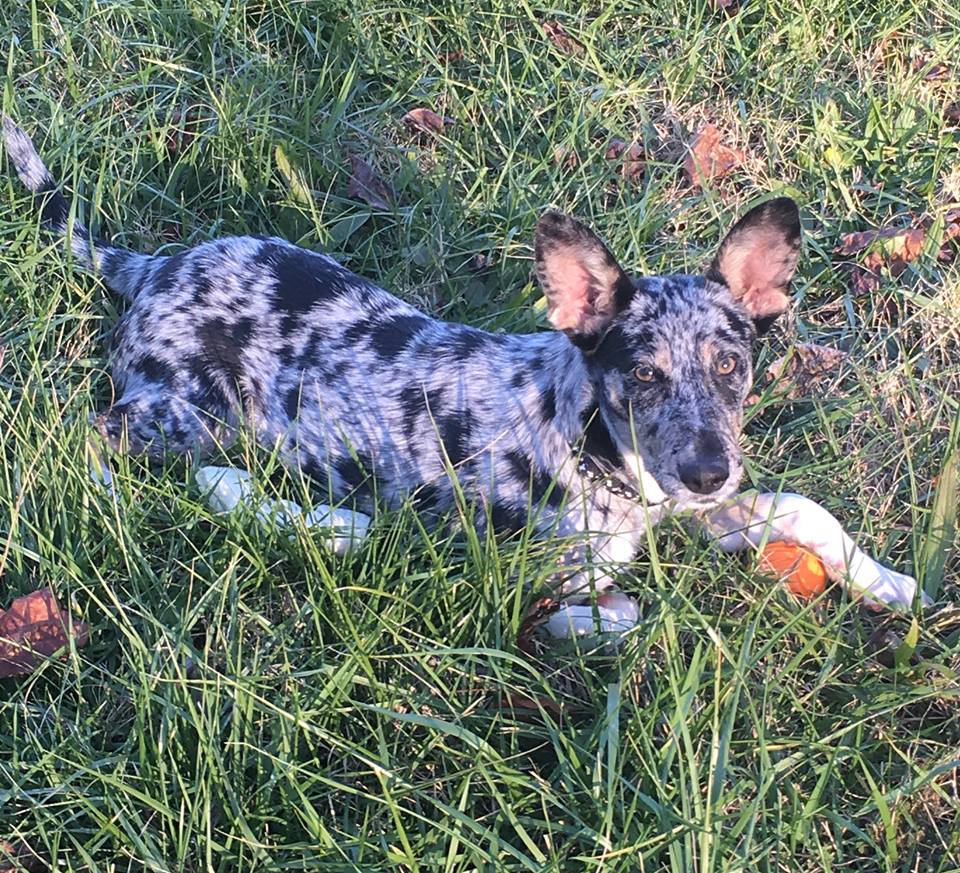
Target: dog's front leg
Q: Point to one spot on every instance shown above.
(753, 518)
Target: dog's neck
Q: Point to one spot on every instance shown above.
(579, 429)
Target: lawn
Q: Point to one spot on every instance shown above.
(248, 701)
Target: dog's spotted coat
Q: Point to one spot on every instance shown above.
(631, 408)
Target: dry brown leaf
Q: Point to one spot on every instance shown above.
(938, 72)
(452, 57)
(19, 856)
(512, 700)
(709, 158)
(184, 124)
(863, 281)
(728, 6)
(32, 629)
(426, 120)
(367, 184)
(893, 248)
(633, 164)
(800, 372)
(534, 617)
(888, 47)
(561, 39)
(951, 113)
(566, 158)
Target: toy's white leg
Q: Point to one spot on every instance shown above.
(753, 518)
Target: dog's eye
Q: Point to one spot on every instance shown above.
(725, 365)
(645, 373)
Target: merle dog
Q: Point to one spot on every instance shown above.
(631, 408)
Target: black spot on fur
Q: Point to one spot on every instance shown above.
(224, 343)
(548, 404)
(291, 403)
(156, 370)
(462, 342)
(354, 472)
(520, 466)
(415, 401)
(597, 442)
(455, 432)
(303, 278)
(507, 519)
(616, 351)
(389, 338)
(426, 497)
(166, 276)
(518, 380)
(540, 484)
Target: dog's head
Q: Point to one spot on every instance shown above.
(670, 356)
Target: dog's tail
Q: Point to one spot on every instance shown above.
(122, 269)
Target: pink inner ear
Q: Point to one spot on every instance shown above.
(761, 302)
(571, 283)
(757, 267)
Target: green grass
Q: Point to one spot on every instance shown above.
(248, 702)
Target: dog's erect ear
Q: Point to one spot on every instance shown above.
(758, 258)
(584, 285)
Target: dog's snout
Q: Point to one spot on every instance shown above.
(708, 468)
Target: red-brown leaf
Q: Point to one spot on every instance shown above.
(709, 158)
(512, 700)
(728, 6)
(566, 158)
(633, 164)
(19, 856)
(426, 120)
(32, 629)
(863, 281)
(561, 39)
(366, 184)
(535, 616)
(801, 373)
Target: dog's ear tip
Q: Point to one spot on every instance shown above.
(553, 221)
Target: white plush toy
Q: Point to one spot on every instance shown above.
(753, 518)
(225, 488)
(746, 522)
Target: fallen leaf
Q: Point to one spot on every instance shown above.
(938, 72)
(895, 247)
(426, 120)
(903, 243)
(534, 617)
(728, 6)
(863, 281)
(886, 48)
(19, 856)
(709, 158)
(479, 263)
(33, 628)
(511, 700)
(366, 184)
(634, 164)
(184, 124)
(561, 39)
(450, 57)
(951, 113)
(566, 158)
(800, 371)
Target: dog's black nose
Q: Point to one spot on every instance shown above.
(708, 469)
(704, 476)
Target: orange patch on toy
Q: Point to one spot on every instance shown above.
(799, 569)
